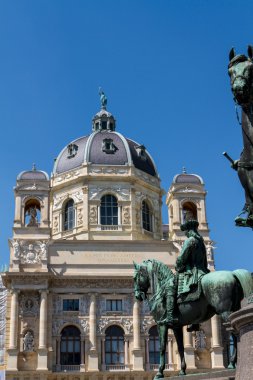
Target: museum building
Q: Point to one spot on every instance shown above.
(71, 313)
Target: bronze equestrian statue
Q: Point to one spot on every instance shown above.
(192, 295)
(240, 70)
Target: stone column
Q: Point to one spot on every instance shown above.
(86, 208)
(147, 354)
(82, 351)
(103, 353)
(93, 322)
(93, 356)
(170, 348)
(18, 212)
(137, 352)
(43, 319)
(42, 350)
(136, 324)
(13, 351)
(217, 349)
(58, 353)
(126, 354)
(189, 350)
(14, 319)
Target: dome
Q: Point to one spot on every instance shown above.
(104, 147)
(188, 178)
(33, 175)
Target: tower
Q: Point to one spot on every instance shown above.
(187, 198)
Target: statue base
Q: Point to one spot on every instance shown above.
(242, 322)
(225, 374)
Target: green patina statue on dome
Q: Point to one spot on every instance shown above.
(103, 99)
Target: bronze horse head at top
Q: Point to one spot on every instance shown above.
(240, 70)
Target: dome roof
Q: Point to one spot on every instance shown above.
(33, 175)
(104, 147)
(188, 178)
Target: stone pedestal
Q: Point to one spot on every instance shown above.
(12, 359)
(242, 322)
(137, 360)
(188, 349)
(93, 361)
(42, 359)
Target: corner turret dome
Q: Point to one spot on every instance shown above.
(188, 178)
(33, 175)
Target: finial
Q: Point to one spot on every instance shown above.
(103, 98)
(184, 170)
(34, 167)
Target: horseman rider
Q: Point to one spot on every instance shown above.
(191, 265)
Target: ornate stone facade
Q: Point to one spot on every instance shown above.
(71, 274)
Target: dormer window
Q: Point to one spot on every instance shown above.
(141, 151)
(72, 150)
(108, 146)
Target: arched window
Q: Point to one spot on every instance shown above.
(114, 345)
(189, 211)
(70, 346)
(69, 215)
(146, 217)
(154, 346)
(109, 210)
(32, 213)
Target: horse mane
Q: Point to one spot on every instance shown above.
(162, 271)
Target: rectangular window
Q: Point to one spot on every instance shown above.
(114, 305)
(71, 305)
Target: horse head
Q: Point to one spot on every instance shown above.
(141, 281)
(240, 70)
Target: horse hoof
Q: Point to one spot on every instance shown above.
(158, 376)
(182, 373)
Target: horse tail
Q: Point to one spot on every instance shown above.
(246, 281)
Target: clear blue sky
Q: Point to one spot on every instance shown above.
(163, 65)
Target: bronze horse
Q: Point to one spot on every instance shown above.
(240, 70)
(221, 293)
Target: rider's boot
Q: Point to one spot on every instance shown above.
(171, 320)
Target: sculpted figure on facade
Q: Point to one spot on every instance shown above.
(29, 305)
(93, 215)
(44, 249)
(16, 248)
(80, 217)
(28, 342)
(56, 224)
(209, 250)
(126, 215)
(32, 212)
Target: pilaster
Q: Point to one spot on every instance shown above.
(137, 352)
(217, 349)
(188, 349)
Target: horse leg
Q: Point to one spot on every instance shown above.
(233, 357)
(178, 333)
(163, 333)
